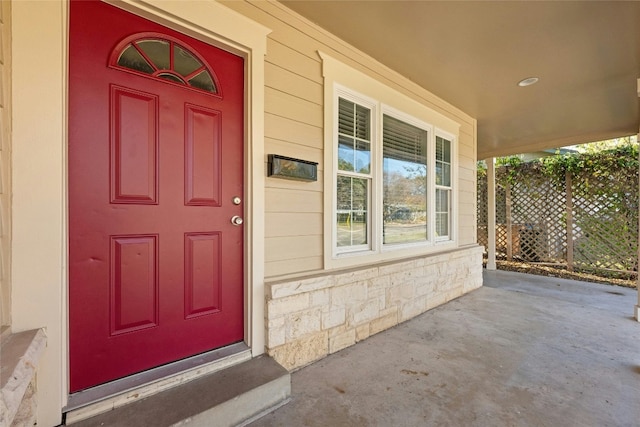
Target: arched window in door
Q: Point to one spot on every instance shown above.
(162, 57)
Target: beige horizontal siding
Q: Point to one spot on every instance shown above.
(288, 224)
(290, 184)
(294, 121)
(292, 247)
(467, 174)
(289, 59)
(468, 235)
(291, 131)
(286, 105)
(289, 200)
(288, 267)
(294, 84)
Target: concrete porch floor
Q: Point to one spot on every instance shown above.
(521, 351)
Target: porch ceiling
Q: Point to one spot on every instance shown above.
(472, 54)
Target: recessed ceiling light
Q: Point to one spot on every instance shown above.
(528, 81)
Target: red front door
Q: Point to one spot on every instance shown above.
(155, 178)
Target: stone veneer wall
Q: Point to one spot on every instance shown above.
(309, 318)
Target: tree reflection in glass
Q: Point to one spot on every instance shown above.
(404, 182)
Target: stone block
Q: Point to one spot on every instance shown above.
(319, 298)
(399, 278)
(424, 288)
(334, 318)
(279, 307)
(398, 294)
(285, 289)
(27, 411)
(276, 336)
(356, 276)
(303, 323)
(435, 300)
(346, 339)
(275, 322)
(454, 293)
(362, 332)
(349, 294)
(396, 267)
(380, 282)
(385, 322)
(365, 312)
(381, 295)
(301, 352)
(338, 330)
(412, 308)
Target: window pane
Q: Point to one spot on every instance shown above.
(171, 77)
(442, 212)
(184, 62)
(131, 58)
(443, 174)
(345, 153)
(363, 157)
(404, 182)
(446, 175)
(352, 215)
(443, 150)
(362, 122)
(443, 162)
(203, 81)
(346, 120)
(157, 51)
(442, 200)
(442, 224)
(354, 145)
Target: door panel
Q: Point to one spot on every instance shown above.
(155, 264)
(134, 146)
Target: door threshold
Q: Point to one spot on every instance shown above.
(102, 398)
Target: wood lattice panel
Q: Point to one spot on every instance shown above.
(538, 209)
(534, 213)
(605, 227)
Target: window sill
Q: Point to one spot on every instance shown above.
(362, 258)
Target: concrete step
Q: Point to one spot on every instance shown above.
(234, 396)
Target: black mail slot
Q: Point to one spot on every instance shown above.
(290, 168)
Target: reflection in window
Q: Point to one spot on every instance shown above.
(404, 151)
(157, 51)
(131, 58)
(354, 145)
(203, 81)
(443, 187)
(442, 212)
(352, 211)
(167, 60)
(184, 62)
(354, 175)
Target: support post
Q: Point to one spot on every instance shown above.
(509, 224)
(569, 195)
(491, 214)
(637, 307)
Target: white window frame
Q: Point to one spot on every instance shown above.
(406, 118)
(372, 105)
(341, 80)
(452, 188)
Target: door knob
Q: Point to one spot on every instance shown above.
(236, 220)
